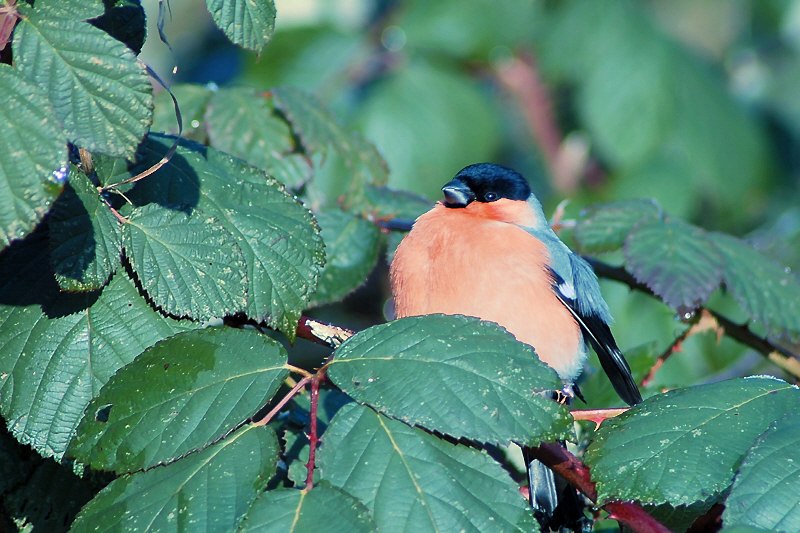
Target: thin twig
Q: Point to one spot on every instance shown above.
(313, 439)
(703, 321)
(779, 355)
(520, 77)
(297, 370)
(291, 394)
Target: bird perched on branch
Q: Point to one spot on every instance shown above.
(488, 251)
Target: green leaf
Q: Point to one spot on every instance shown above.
(207, 491)
(351, 248)
(403, 207)
(764, 493)
(189, 264)
(178, 396)
(245, 22)
(70, 9)
(684, 446)
(769, 293)
(243, 123)
(467, 30)
(476, 379)
(299, 510)
(423, 153)
(32, 147)
(745, 529)
(411, 480)
(355, 162)
(293, 170)
(643, 98)
(676, 260)
(85, 237)
(388, 203)
(603, 228)
(192, 100)
(99, 91)
(282, 248)
(57, 350)
(124, 20)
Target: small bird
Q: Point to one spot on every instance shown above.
(488, 251)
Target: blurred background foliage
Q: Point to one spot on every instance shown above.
(691, 103)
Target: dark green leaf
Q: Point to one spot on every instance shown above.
(57, 350)
(189, 264)
(296, 453)
(679, 518)
(192, 100)
(38, 494)
(85, 237)
(278, 236)
(476, 379)
(179, 396)
(768, 292)
(124, 20)
(764, 493)
(604, 227)
(99, 91)
(354, 162)
(413, 481)
(677, 261)
(351, 250)
(324, 509)
(207, 491)
(32, 148)
(243, 123)
(245, 22)
(683, 446)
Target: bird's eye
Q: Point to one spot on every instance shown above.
(490, 196)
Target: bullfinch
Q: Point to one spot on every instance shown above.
(488, 251)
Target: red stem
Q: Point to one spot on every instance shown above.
(563, 463)
(634, 517)
(269, 416)
(313, 440)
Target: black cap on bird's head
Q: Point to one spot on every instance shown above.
(485, 182)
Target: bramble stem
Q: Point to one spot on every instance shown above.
(313, 439)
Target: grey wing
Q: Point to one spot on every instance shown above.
(581, 295)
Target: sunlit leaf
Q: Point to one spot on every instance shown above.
(178, 396)
(765, 491)
(205, 491)
(97, 88)
(32, 148)
(684, 446)
(413, 481)
(453, 374)
(190, 265)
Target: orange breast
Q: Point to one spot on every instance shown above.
(457, 261)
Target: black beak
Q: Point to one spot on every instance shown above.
(457, 194)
